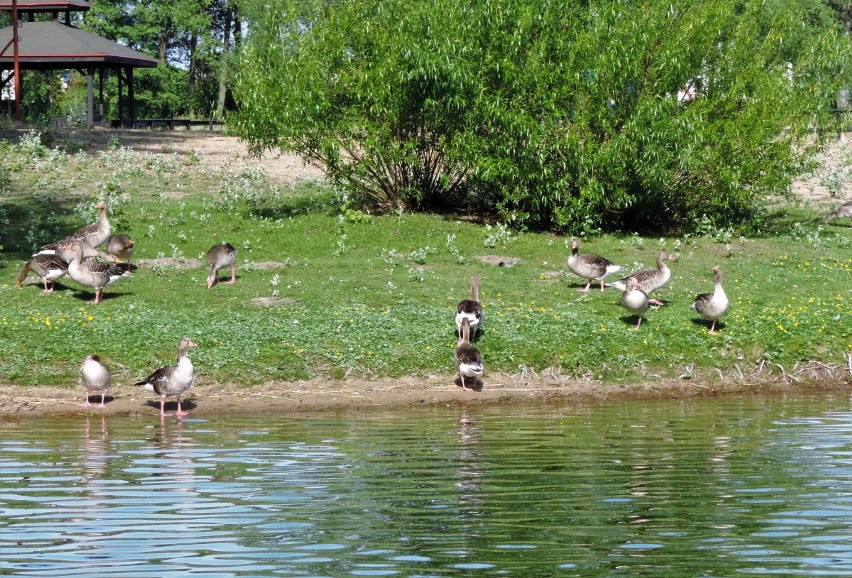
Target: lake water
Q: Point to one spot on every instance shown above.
(659, 488)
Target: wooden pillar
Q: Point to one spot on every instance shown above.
(101, 94)
(90, 105)
(120, 103)
(16, 60)
(130, 95)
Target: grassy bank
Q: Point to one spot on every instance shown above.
(326, 291)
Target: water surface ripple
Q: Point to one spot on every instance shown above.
(665, 488)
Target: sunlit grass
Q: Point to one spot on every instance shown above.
(374, 296)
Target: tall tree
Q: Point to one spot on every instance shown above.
(188, 38)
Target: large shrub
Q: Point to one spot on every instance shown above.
(554, 114)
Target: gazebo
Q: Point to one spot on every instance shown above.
(57, 45)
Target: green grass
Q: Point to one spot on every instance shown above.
(375, 295)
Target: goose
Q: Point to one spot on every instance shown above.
(634, 299)
(172, 380)
(61, 250)
(590, 267)
(97, 233)
(467, 356)
(94, 377)
(843, 211)
(470, 309)
(649, 280)
(48, 267)
(94, 274)
(712, 306)
(221, 256)
(121, 247)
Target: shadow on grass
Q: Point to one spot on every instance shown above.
(81, 295)
(35, 222)
(707, 324)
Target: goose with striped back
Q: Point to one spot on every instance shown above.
(468, 358)
(97, 233)
(94, 274)
(172, 380)
(712, 306)
(61, 249)
(649, 280)
(48, 267)
(470, 309)
(590, 267)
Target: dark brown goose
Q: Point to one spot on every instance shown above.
(94, 274)
(48, 267)
(467, 356)
(172, 380)
(220, 257)
(590, 267)
(470, 309)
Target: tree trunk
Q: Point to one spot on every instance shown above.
(163, 41)
(193, 73)
(223, 62)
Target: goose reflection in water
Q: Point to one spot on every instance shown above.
(470, 469)
(94, 449)
(174, 459)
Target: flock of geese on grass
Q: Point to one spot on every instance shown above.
(636, 297)
(78, 257)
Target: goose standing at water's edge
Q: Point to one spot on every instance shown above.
(467, 356)
(172, 380)
(634, 299)
(590, 267)
(649, 280)
(94, 377)
(94, 274)
(48, 267)
(712, 306)
(219, 257)
(470, 309)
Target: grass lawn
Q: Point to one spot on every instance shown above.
(375, 296)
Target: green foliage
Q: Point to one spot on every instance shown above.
(554, 116)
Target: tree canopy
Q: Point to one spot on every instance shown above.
(630, 115)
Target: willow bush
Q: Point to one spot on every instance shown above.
(557, 115)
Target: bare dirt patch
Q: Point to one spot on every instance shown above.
(322, 395)
(214, 149)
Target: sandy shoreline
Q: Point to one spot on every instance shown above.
(316, 396)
